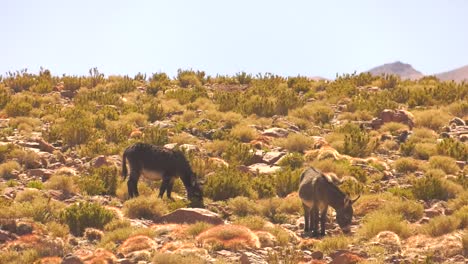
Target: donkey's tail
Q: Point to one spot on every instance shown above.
(124, 165)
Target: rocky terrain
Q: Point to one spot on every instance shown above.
(63, 200)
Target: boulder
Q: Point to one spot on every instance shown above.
(71, 259)
(6, 236)
(99, 161)
(272, 157)
(345, 257)
(263, 168)
(389, 240)
(45, 146)
(41, 173)
(457, 121)
(276, 132)
(191, 216)
(399, 116)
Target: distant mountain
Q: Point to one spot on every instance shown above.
(458, 75)
(405, 71)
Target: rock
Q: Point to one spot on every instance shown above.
(317, 255)
(251, 258)
(457, 121)
(345, 257)
(445, 246)
(436, 210)
(163, 124)
(276, 132)
(42, 173)
(45, 146)
(99, 161)
(124, 261)
(71, 259)
(67, 94)
(170, 145)
(389, 240)
(92, 234)
(140, 255)
(24, 228)
(189, 148)
(4, 122)
(49, 260)
(6, 236)
(266, 239)
(272, 157)
(388, 115)
(191, 216)
(263, 168)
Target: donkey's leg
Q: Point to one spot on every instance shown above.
(164, 185)
(169, 188)
(132, 183)
(323, 220)
(315, 220)
(306, 218)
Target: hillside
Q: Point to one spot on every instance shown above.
(241, 142)
(405, 71)
(458, 75)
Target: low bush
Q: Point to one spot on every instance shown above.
(155, 136)
(172, 258)
(61, 183)
(406, 165)
(270, 208)
(453, 148)
(228, 183)
(287, 181)
(430, 187)
(28, 195)
(293, 161)
(243, 206)
(253, 222)
(198, 228)
(7, 168)
(102, 180)
(264, 186)
(28, 159)
(447, 164)
(145, 207)
(80, 216)
(57, 230)
(379, 221)
(116, 236)
(243, 133)
(35, 184)
(331, 244)
(238, 154)
(295, 142)
(432, 119)
(441, 225)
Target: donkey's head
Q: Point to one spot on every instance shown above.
(344, 215)
(195, 193)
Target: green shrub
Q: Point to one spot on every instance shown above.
(116, 236)
(460, 201)
(116, 224)
(270, 208)
(238, 154)
(35, 184)
(188, 78)
(441, 225)
(462, 215)
(62, 183)
(331, 244)
(80, 216)
(7, 168)
(102, 180)
(424, 150)
(243, 206)
(453, 148)
(117, 131)
(447, 164)
(432, 119)
(19, 106)
(253, 222)
(29, 159)
(358, 143)
(405, 165)
(27, 195)
(264, 186)
(379, 221)
(77, 128)
(430, 187)
(145, 207)
(228, 183)
(57, 230)
(154, 111)
(156, 136)
(243, 133)
(287, 181)
(198, 228)
(295, 142)
(292, 161)
(411, 210)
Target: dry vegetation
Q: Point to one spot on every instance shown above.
(55, 131)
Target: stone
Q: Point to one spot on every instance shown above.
(189, 148)
(45, 146)
(446, 246)
(345, 257)
(170, 145)
(67, 93)
(272, 157)
(266, 239)
(93, 234)
(99, 161)
(251, 258)
(276, 132)
(457, 121)
(42, 173)
(6, 236)
(389, 240)
(71, 259)
(191, 216)
(263, 168)
(317, 255)
(24, 228)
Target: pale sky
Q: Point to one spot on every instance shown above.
(311, 38)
